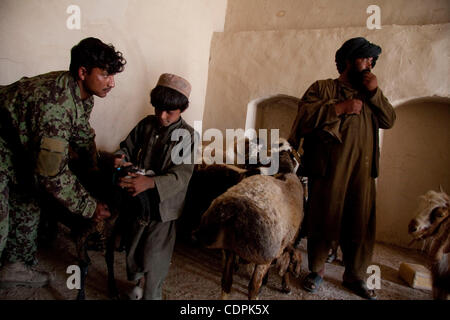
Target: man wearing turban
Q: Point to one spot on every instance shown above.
(338, 120)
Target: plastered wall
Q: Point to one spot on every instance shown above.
(248, 65)
(259, 15)
(415, 158)
(155, 36)
(279, 47)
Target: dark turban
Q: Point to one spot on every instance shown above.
(356, 48)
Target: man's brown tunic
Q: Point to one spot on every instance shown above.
(341, 161)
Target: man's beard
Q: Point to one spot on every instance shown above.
(355, 77)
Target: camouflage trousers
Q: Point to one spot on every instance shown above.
(19, 215)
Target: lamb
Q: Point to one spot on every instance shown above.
(432, 222)
(257, 220)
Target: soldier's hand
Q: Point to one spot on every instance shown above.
(101, 212)
(370, 81)
(350, 106)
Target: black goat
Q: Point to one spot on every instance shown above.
(86, 233)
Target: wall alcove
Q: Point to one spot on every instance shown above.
(415, 157)
(273, 112)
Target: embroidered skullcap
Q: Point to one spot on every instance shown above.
(175, 82)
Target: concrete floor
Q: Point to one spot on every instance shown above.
(195, 274)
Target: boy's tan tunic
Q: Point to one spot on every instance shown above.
(150, 147)
(151, 237)
(341, 160)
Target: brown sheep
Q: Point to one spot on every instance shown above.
(257, 220)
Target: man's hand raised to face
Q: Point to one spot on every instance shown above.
(370, 82)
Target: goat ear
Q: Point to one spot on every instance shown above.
(441, 189)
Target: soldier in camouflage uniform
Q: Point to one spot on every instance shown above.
(40, 118)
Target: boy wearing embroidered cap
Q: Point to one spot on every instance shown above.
(156, 198)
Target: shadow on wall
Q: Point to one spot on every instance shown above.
(273, 112)
(415, 158)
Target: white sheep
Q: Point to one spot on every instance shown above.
(432, 222)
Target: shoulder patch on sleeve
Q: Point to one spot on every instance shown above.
(51, 156)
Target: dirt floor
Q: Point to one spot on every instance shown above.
(195, 274)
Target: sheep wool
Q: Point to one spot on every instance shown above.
(256, 218)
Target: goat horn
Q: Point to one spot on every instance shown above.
(296, 155)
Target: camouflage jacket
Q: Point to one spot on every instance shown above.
(45, 114)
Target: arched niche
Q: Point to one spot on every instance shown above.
(273, 112)
(415, 157)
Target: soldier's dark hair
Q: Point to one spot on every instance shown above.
(166, 98)
(93, 53)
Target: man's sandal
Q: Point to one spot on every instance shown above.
(312, 282)
(359, 288)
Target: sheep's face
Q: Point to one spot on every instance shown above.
(288, 160)
(432, 211)
(288, 163)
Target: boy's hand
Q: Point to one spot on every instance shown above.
(137, 183)
(119, 161)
